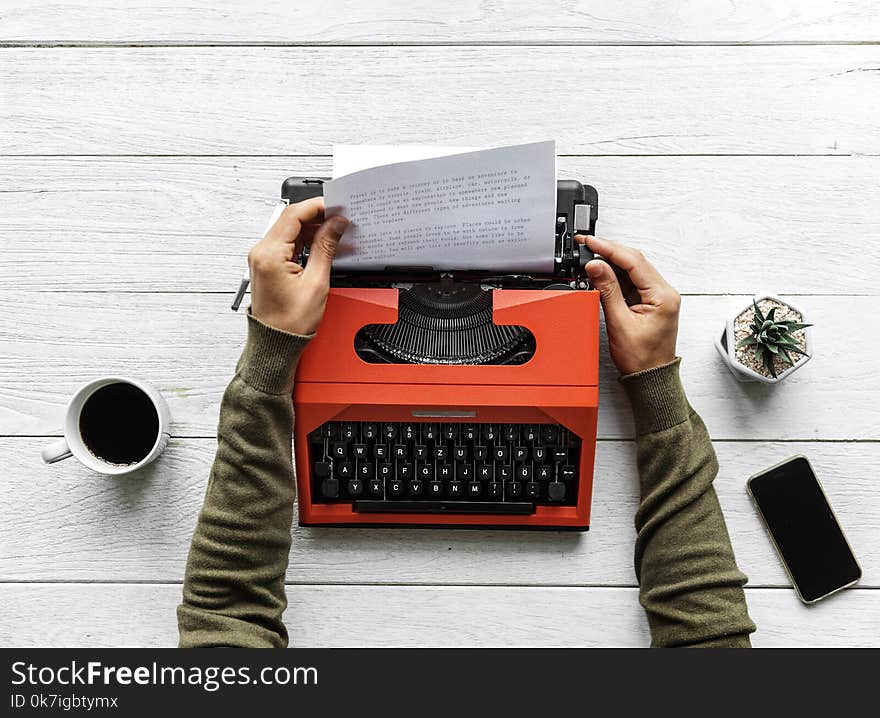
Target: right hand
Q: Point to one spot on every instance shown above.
(641, 314)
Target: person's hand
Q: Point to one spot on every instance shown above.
(283, 294)
(641, 308)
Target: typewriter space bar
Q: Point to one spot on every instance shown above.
(444, 507)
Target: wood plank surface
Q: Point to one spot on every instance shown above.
(300, 100)
(187, 345)
(63, 523)
(423, 21)
(114, 615)
(186, 224)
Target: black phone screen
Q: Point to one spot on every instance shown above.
(804, 528)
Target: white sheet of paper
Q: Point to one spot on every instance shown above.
(486, 210)
(354, 158)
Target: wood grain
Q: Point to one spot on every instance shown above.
(300, 100)
(185, 224)
(62, 523)
(422, 21)
(115, 615)
(187, 345)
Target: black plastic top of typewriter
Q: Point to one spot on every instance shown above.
(568, 194)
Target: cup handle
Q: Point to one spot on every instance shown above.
(56, 451)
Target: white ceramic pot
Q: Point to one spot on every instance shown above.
(725, 343)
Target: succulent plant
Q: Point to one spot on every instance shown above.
(772, 338)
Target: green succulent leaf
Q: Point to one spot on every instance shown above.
(746, 342)
(758, 315)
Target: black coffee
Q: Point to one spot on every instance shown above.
(119, 424)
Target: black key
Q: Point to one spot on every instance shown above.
(524, 472)
(494, 490)
(513, 489)
(459, 453)
(464, 472)
(416, 487)
(430, 432)
(445, 507)
(380, 451)
(511, 433)
(504, 473)
(425, 472)
(450, 432)
(533, 489)
(545, 472)
(359, 451)
(435, 489)
(556, 491)
(330, 488)
(322, 468)
(469, 433)
(454, 489)
(481, 453)
(399, 451)
(409, 432)
(395, 488)
(539, 453)
(550, 433)
(530, 434)
(568, 473)
(338, 450)
(366, 470)
(349, 432)
(485, 472)
(444, 472)
(327, 431)
(420, 451)
(520, 453)
(355, 487)
(385, 471)
(344, 469)
(389, 431)
(405, 472)
(370, 431)
(490, 432)
(377, 488)
(560, 455)
(440, 452)
(475, 488)
(500, 453)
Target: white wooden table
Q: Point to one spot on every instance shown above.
(143, 143)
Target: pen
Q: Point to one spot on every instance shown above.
(246, 278)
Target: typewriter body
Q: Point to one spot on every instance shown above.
(453, 398)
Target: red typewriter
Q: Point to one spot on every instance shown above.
(453, 398)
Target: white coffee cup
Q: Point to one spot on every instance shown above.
(74, 444)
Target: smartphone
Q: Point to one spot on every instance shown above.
(804, 529)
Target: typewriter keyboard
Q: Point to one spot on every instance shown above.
(444, 467)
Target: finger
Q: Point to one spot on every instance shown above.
(323, 247)
(642, 273)
(602, 277)
(289, 224)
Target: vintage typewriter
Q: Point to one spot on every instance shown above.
(453, 398)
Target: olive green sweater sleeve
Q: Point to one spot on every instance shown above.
(689, 583)
(233, 591)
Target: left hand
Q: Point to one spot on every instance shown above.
(283, 294)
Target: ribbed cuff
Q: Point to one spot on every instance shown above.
(657, 397)
(268, 362)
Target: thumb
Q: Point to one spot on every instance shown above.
(603, 278)
(323, 247)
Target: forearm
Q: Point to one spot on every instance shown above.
(690, 585)
(233, 593)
